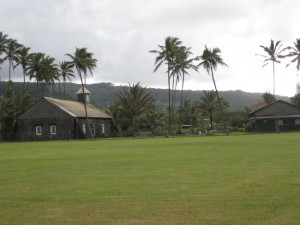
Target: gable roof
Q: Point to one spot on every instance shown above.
(76, 109)
(80, 91)
(283, 108)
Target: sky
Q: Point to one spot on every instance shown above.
(121, 33)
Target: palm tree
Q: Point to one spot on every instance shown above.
(66, 71)
(23, 58)
(84, 62)
(273, 55)
(210, 59)
(11, 54)
(209, 103)
(181, 66)
(166, 54)
(33, 67)
(153, 120)
(3, 47)
(134, 101)
(295, 53)
(48, 72)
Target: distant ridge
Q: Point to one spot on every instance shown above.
(104, 94)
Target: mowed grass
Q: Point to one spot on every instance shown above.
(221, 180)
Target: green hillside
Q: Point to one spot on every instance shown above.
(104, 94)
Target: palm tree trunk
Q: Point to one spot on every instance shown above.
(64, 89)
(220, 105)
(37, 88)
(181, 98)
(9, 71)
(274, 108)
(169, 86)
(211, 120)
(24, 74)
(85, 108)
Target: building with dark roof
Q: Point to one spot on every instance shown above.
(55, 119)
(286, 114)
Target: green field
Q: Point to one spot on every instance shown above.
(217, 180)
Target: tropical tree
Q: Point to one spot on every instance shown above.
(3, 45)
(295, 53)
(33, 68)
(11, 54)
(153, 120)
(166, 55)
(210, 59)
(3, 48)
(7, 114)
(84, 62)
(274, 54)
(134, 101)
(48, 72)
(182, 64)
(23, 58)
(210, 103)
(66, 71)
(268, 98)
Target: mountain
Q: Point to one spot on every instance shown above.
(104, 94)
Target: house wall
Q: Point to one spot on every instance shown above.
(65, 129)
(288, 117)
(99, 127)
(268, 125)
(45, 115)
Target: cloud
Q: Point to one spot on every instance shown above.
(121, 33)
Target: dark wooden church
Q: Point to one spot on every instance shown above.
(55, 119)
(286, 114)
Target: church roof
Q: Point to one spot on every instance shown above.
(76, 109)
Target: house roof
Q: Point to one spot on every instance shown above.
(76, 109)
(86, 91)
(283, 109)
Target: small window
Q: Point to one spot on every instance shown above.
(83, 128)
(38, 130)
(103, 128)
(53, 129)
(297, 121)
(283, 122)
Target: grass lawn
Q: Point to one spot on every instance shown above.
(220, 180)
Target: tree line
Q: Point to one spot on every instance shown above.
(135, 109)
(42, 67)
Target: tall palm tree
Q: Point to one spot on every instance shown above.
(209, 103)
(66, 71)
(48, 72)
(33, 67)
(23, 58)
(84, 62)
(11, 54)
(210, 59)
(181, 66)
(166, 55)
(3, 44)
(274, 54)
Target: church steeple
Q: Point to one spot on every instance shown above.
(81, 97)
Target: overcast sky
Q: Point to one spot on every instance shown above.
(121, 32)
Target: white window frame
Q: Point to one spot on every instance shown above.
(103, 128)
(38, 130)
(52, 129)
